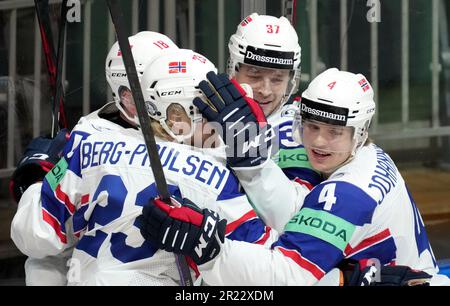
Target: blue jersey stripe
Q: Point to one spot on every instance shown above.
(54, 206)
(420, 233)
(231, 189)
(79, 222)
(352, 203)
(385, 252)
(322, 253)
(72, 154)
(306, 174)
(250, 231)
(75, 136)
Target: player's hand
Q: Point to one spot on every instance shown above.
(39, 157)
(367, 273)
(243, 126)
(183, 229)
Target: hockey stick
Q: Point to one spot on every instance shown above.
(144, 121)
(59, 92)
(42, 12)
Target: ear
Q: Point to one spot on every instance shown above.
(125, 94)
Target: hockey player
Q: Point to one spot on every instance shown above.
(362, 210)
(99, 187)
(265, 54)
(43, 153)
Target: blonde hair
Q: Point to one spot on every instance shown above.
(159, 131)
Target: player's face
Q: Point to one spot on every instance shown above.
(328, 146)
(269, 85)
(177, 120)
(181, 124)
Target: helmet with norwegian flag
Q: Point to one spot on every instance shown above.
(145, 46)
(338, 98)
(269, 42)
(170, 83)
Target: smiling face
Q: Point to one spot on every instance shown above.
(268, 85)
(328, 146)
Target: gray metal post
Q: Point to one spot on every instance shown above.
(170, 21)
(405, 62)
(252, 6)
(344, 35)
(86, 58)
(12, 66)
(221, 35)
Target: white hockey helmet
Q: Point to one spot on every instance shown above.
(172, 80)
(145, 46)
(266, 41)
(338, 98)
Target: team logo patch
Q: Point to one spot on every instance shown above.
(151, 108)
(288, 112)
(364, 85)
(177, 67)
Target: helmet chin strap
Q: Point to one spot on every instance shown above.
(178, 138)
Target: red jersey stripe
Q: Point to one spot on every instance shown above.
(315, 270)
(304, 183)
(266, 236)
(233, 225)
(367, 242)
(60, 195)
(53, 222)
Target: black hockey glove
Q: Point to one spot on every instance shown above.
(39, 157)
(366, 273)
(183, 229)
(243, 126)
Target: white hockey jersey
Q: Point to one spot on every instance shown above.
(91, 198)
(364, 210)
(52, 270)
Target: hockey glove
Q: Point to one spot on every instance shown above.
(39, 157)
(185, 229)
(366, 273)
(244, 128)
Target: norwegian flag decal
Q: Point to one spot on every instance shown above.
(246, 21)
(364, 85)
(177, 67)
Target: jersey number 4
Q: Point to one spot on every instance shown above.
(327, 196)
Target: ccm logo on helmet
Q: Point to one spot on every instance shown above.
(171, 93)
(118, 74)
